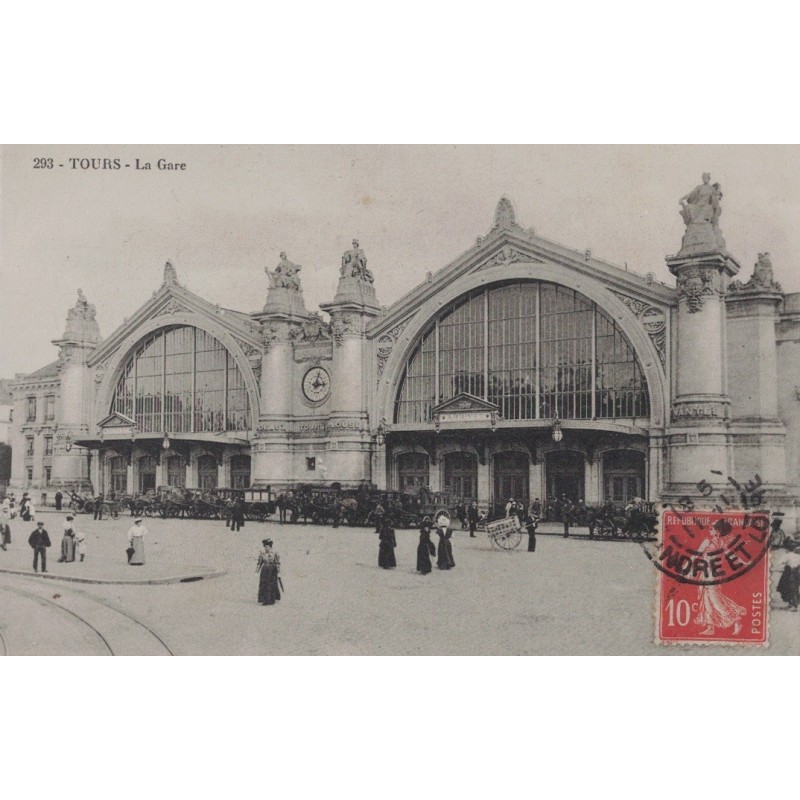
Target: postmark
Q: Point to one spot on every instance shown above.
(713, 577)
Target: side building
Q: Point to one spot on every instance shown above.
(522, 368)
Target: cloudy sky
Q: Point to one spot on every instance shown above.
(230, 213)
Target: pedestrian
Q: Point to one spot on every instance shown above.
(6, 506)
(536, 508)
(531, 522)
(59, 499)
(39, 540)
(23, 508)
(31, 511)
(98, 503)
(136, 534)
(379, 513)
(388, 542)
(5, 534)
(269, 567)
(566, 510)
(789, 582)
(68, 541)
(472, 517)
(510, 506)
(444, 558)
(80, 544)
(425, 548)
(237, 514)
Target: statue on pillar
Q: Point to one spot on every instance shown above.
(701, 210)
(170, 275)
(354, 264)
(761, 280)
(285, 275)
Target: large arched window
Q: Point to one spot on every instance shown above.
(182, 380)
(535, 349)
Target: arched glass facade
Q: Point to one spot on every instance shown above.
(535, 349)
(182, 380)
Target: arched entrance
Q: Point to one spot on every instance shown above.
(207, 472)
(510, 477)
(240, 472)
(147, 474)
(119, 475)
(176, 472)
(565, 474)
(623, 476)
(412, 471)
(461, 476)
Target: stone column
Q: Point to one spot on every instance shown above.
(81, 337)
(758, 434)
(354, 306)
(699, 432)
(282, 315)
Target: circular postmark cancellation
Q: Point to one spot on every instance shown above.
(707, 548)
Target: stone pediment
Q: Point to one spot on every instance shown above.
(116, 421)
(466, 409)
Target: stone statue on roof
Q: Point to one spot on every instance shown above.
(354, 264)
(284, 276)
(701, 210)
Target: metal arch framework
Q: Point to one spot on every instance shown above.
(589, 287)
(107, 387)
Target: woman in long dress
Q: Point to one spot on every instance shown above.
(388, 542)
(425, 548)
(136, 534)
(68, 541)
(444, 559)
(715, 608)
(269, 566)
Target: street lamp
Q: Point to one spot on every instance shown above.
(557, 433)
(68, 443)
(380, 435)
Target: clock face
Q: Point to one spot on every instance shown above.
(316, 384)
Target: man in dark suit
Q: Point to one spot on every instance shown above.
(472, 516)
(39, 540)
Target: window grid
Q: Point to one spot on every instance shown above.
(183, 380)
(550, 351)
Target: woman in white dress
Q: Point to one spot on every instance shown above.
(136, 534)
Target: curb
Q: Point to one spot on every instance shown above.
(150, 582)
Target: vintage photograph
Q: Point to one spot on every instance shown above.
(399, 400)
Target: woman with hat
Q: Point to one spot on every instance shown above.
(388, 542)
(68, 541)
(425, 548)
(444, 559)
(269, 565)
(136, 534)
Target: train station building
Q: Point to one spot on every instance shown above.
(522, 368)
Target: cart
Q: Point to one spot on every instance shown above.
(506, 533)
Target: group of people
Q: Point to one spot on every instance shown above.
(72, 542)
(387, 542)
(26, 511)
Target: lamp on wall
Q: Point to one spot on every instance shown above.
(165, 443)
(557, 433)
(380, 434)
(68, 443)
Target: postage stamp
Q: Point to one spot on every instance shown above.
(713, 579)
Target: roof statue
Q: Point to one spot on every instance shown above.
(82, 321)
(701, 211)
(354, 264)
(170, 275)
(284, 276)
(761, 280)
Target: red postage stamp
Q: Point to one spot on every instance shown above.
(713, 582)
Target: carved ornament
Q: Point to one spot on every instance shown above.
(653, 320)
(385, 345)
(694, 285)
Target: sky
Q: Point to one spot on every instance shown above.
(233, 209)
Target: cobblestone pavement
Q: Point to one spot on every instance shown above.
(573, 596)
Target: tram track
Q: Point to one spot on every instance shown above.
(114, 639)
